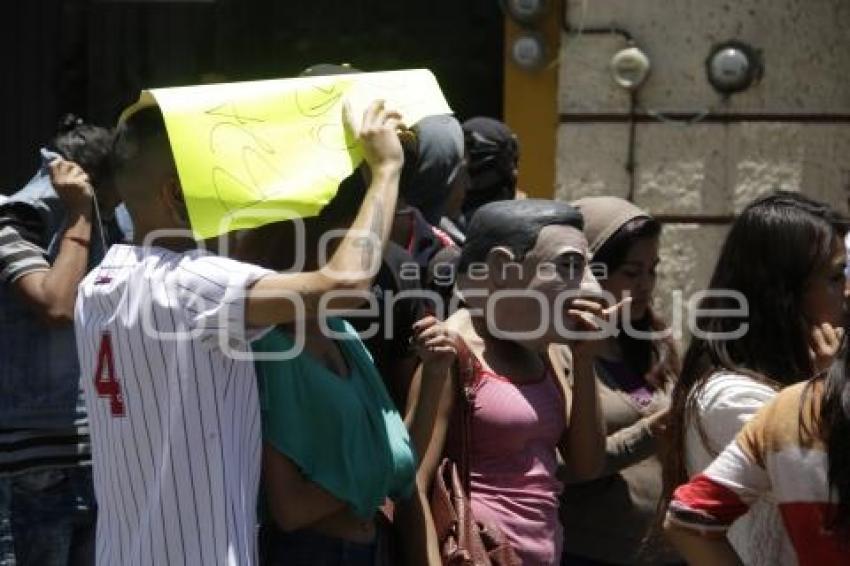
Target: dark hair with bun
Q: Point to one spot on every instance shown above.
(85, 144)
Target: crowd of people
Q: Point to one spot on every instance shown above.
(161, 403)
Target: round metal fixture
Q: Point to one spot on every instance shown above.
(525, 12)
(529, 51)
(733, 66)
(630, 67)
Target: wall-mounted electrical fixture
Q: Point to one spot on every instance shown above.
(528, 48)
(733, 66)
(525, 12)
(529, 51)
(630, 67)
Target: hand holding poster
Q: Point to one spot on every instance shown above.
(257, 152)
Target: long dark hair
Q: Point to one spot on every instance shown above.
(657, 360)
(834, 428)
(772, 250)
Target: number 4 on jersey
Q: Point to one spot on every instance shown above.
(105, 381)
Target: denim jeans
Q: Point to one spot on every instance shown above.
(47, 518)
(308, 548)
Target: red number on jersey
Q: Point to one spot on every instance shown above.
(105, 381)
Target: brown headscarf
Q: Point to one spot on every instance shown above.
(603, 216)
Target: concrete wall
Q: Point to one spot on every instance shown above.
(706, 168)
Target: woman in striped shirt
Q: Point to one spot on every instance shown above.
(795, 451)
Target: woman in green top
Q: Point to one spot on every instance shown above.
(335, 447)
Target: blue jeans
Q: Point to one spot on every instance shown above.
(308, 548)
(47, 518)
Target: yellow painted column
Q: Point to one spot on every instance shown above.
(531, 105)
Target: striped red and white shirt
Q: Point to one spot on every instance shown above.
(174, 417)
(779, 455)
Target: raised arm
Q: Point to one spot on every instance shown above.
(627, 446)
(430, 404)
(272, 299)
(633, 444)
(583, 443)
(51, 293)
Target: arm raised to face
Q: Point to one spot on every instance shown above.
(271, 300)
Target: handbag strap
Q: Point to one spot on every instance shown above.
(466, 365)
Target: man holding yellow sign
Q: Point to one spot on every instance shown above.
(163, 331)
(257, 152)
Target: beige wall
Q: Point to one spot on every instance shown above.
(706, 168)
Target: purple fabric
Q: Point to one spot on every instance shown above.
(634, 385)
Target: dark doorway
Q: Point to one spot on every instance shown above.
(91, 57)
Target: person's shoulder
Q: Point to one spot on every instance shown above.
(25, 218)
(205, 265)
(395, 255)
(792, 395)
(38, 191)
(724, 388)
(18, 256)
(11, 238)
(789, 420)
(119, 263)
(783, 412)
(351, 341)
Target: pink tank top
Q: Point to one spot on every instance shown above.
(515, 431)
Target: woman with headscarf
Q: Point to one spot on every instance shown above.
(488, 173)
(433, 171)
(606, 519)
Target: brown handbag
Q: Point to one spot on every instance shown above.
(463, 540)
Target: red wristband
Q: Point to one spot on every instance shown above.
(82, 241)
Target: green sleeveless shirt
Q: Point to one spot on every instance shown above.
(344, 433)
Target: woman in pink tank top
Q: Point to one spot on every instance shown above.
(513, 463)
(523, 261)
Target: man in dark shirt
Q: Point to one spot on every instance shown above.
(50, 235)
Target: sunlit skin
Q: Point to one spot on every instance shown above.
(826, 291)
(825, 308)
(635, 277)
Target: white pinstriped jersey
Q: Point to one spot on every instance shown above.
(174, 420)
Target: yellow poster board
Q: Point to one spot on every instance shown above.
(256, 152)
